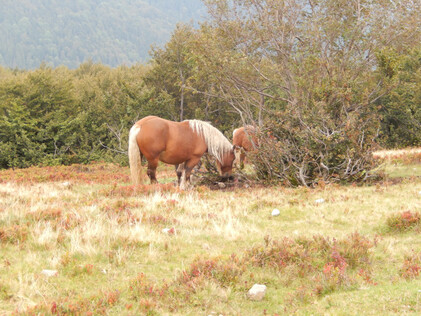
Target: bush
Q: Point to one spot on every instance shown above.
(306, 153)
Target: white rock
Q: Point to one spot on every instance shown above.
(257, 292)
(275, 212)
(169, 231)
(319, 201)
(419, 193)
(66, 184)
(221, 185)
(49, 273)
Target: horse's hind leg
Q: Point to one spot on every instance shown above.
(152, 165)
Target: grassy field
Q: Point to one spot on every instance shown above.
(81, 239)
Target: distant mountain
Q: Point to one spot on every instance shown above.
(69, 32)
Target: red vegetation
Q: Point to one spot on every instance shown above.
(121, 210)
(222, 272)
(404, 221)
(411, 267)
(57, 217)
(98, 173)
(142, 189)
(319, 264)
(14, 234)
(95, 305)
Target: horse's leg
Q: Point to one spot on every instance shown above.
(242, 158)
(238, 159)
(152, 165)
(188, 167)
(179, 170)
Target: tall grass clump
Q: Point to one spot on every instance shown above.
(404, 221)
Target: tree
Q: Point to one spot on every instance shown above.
(179, 74)
(36, 105)
(400, 109)
(171, 68)
(59, 116)
(109, 102)
(306, 72)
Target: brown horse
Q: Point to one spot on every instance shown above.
(244, 139)
(176, 143)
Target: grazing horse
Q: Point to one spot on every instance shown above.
(176, 143)
(244, 139)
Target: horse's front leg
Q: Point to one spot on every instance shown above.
(152, 165)
(179, 171)
(242, 158)
(188, 167)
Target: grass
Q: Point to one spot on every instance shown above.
(155, 250)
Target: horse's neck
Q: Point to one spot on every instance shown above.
(218, 145)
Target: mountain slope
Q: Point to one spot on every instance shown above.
(68, 32)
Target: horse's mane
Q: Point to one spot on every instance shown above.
(217, 143)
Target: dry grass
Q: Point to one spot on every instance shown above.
(394, 153)
(119, 249)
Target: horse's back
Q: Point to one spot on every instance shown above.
(237, 136)
(172, 142)
(245, 137)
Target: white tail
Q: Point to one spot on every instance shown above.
(135, 159)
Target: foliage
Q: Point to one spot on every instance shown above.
(61, 116)
(306, 73)
(400, 109)
(58, 116)
(178, 73)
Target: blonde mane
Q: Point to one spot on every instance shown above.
(218, 144)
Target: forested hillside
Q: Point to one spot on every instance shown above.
(69, 32)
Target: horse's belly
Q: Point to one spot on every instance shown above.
(172, 159)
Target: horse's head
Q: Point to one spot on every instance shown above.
(225, 166)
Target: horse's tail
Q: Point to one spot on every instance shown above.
(135, 156)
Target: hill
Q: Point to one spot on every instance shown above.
(68, 32)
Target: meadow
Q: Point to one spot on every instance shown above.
(82, 240)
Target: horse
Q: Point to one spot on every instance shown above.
(244, 139)
(177, 143)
